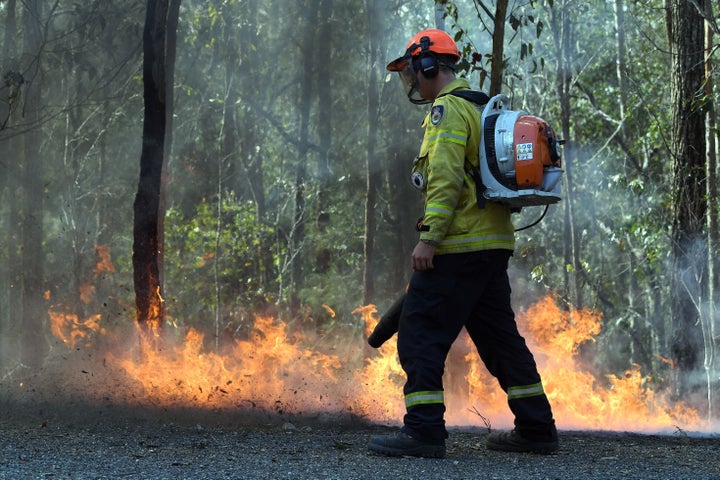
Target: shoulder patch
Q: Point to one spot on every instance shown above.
(436, 114)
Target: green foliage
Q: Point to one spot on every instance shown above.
(474, 33)
(218, 256)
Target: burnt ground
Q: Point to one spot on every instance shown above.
(73, 440)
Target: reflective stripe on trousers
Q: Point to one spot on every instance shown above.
(424, 398)
(525, 391)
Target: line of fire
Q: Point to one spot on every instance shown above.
(280, 370)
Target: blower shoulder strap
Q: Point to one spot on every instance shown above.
(479, 98)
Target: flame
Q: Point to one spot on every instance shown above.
(560, 332)
(68, 327)
(381, 376)
(329, 310)
(73, 331)
(271, 370)
(579, 399)
(278, 370)
(87, 292)
(104, 261)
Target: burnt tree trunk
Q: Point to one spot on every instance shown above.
(148, 214)
(686, 39)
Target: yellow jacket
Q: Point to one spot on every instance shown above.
(452, 219)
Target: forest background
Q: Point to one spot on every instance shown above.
(285, 180)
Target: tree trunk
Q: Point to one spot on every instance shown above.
(372, 165)
(7, 195)
(34, 314)
(498, 48)
(711, 342)
(634, 298)
(621, 62)
(562, 34)
(229, 146)
(173, 17)
(686, 39)
(325, 119)
(228, 154)
(297, 234)
(252, 162)
(148, 214)
(71, 170)
(250, 157)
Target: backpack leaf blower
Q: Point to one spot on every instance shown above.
(519, 157)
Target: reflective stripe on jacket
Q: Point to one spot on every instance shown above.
(453, 219)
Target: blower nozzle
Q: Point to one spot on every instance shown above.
(388, 324)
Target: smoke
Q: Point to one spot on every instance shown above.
(694, 323)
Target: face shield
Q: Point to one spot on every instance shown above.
(408, 78)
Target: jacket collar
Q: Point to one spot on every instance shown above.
(457, 84)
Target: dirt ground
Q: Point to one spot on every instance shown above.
(72, 440)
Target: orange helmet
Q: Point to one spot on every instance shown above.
(421, 56)
(427, 41)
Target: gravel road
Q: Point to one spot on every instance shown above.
(76, 441)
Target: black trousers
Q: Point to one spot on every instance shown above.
(470, 290)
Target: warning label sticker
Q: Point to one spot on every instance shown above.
(524, 151)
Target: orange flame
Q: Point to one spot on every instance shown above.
(329, 310)
(104, 261)
(271, 370)
(579, 399)
(71, 330)
(279, 370)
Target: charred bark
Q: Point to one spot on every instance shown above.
(148, 214)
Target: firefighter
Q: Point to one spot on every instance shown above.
(459, 272)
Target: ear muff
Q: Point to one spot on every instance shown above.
(428, 64)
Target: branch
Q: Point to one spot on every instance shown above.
(281, 130)
(479, 3)
(611, 122)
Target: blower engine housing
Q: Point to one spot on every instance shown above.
(520, 157)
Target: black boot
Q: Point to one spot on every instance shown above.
(514, 442)
(401, 444)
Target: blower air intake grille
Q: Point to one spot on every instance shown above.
(491, 152)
